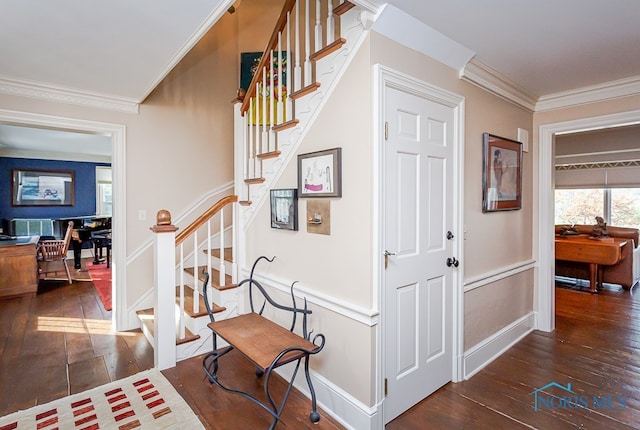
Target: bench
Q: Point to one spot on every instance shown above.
(266, 344)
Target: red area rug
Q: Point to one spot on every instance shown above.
(142, 401)
(101, 278)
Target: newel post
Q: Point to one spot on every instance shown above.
(164, 261)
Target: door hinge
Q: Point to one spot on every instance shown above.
(386, 387)
(386, 131)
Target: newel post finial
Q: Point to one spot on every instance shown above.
(163, 222)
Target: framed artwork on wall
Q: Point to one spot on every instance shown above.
(501, 174)
(42, 187)
(284, 209)
(320, 173)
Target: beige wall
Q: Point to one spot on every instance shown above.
(494, 241)
(339, 266)
(180, 145)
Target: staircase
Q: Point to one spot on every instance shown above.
(311, 46)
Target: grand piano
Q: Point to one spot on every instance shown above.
(86, 227)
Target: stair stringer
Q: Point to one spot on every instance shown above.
(329, 71)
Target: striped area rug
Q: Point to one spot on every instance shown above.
(145, 400)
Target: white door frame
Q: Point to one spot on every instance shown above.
(118, 140)
(387, 77)
(545, 224)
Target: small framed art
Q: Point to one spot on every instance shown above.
(284, 209)
(501, 174)
(320, 173)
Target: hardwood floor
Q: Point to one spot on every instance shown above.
(595, 348)
(51, 346)
(59, 342)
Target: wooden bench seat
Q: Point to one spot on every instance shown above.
(266, 344)
(261, 340)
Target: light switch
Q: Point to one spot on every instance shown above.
(523, 137)
(142, 215)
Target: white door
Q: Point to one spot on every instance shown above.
(418, 213)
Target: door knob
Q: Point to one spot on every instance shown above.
(450, 235)
(451, 261)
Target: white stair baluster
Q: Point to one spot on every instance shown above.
(264, 92)
(318, 27)
(209, 246)
(330, 23)
(196, 280)
(222, 269)
(272, 101)
(248, 138)
(307, 46)
(279, 103)
(181, 327)
(287, 90)
(297, 72)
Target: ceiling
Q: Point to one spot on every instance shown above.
(123, 49)
(545, 46)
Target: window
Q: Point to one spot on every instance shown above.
(579, 206)
(104, 199)
(625, 207)
(619, 207)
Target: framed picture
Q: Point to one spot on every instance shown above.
(284, 209)
(501, 174)
(320, 173)
(42, 187)
(249, 62)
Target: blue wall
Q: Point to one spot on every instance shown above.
(84, 183)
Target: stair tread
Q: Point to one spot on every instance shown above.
(271, 154)
(286, 125)
(245, 202)
(332, 47)
(215, 275)
(215, 252)
(304, 91)
(146, 318)
(254, 180)
(343, 8)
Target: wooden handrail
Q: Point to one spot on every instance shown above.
(282, 21)
(198, 222)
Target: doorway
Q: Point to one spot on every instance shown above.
(420, 165)
(117, 133)
(546, 208)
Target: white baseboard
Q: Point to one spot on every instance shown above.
(480, 355)
(342, 406)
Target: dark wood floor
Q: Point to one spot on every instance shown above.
(59, 342)
(595, 348)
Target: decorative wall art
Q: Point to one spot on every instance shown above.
(42, 187)
(320, 173)
(249, 62)
(501, 174)
(319, 216)
(284, 209)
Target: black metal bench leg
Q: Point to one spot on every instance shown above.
(314, 416)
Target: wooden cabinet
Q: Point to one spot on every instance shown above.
(18, 266)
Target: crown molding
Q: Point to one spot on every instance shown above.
(491, 80)
(590, 94)
(52, 93)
